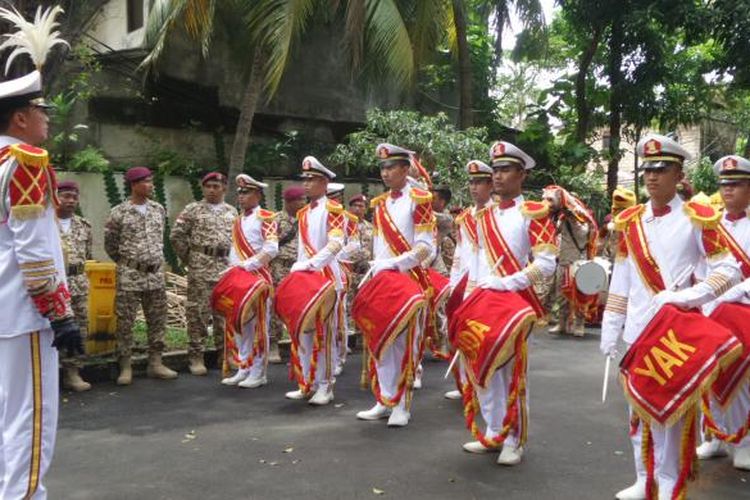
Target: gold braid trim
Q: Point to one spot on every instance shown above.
(617, 304)
(37, 264)
(718, 283)
(534, 274)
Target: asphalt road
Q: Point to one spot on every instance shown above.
(195, 439)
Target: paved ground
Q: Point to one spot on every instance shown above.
(194, 439)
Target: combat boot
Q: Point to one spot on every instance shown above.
(579, 327)
(196, 365)
(156, 368)
(126, 372)
(274, 356)
(72, 380)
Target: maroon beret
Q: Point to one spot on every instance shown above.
(68, 186)
(136, 174)
(356, 198)
(214, 176)
(294, 193)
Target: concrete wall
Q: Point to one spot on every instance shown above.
(111, 26)
(95, 205)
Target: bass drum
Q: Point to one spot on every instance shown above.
(591, 276)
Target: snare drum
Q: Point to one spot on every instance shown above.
(591, 278)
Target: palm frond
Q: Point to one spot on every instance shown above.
(530, 13)
(354, 32)
(387, 38)
(35, 38)
(277, 24)
(196, 16)
(432, 21)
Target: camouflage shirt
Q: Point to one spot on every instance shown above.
(573, 240)
(288, 231)
(76, 240)
(363, 255)
(135, 241)
(200, 230)
(445, 244)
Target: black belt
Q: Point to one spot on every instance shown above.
(140, 266)
(212, 251)
(74, 269)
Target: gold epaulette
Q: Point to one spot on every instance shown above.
(702, 214)
(621, 220)
(460, 217)
(378, 199)
(351, 216)
(334, 207)
(30, 156)
(420, 196)
(266, 214)
(535, 209)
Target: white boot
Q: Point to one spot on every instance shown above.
(510, 455)
(322, 396)
(375, 413)
(454, 395)
(711, 449)
(298, 394)
(236, 378)
(634, 492)
(253, 382)
(399, 417)
(418, 379)
(742, 458)
(476, 447)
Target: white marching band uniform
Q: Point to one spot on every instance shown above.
(676, 244)
(259, 230)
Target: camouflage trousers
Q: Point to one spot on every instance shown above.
(566, 315)
(80, 304)
(198, 315)
(154, 304)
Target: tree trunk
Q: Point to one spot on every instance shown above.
(747, 147)
(636, 181)
(614, 70)
(464, 67)
(248, 105)
(582, 106)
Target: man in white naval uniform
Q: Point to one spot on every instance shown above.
(259, 231)
(34, 299)
(469, 254)
(734, 185)
(410, 208)
(321, 238)
(527, 230)
(677, 243)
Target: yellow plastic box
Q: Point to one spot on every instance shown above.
(102, 319)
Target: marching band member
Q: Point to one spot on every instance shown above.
(512, 231)
(730, 401)
(321, 238)
(469, 260)
(660, 243)
(254, 244)
(403, 238)
(34, 297)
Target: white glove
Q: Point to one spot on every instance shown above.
(683, 298)
(250, 264)
(734, 294)
(383, 265)
(303, 265)
(493, 282)
(608, 346)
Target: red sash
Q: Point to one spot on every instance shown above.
(245, 250)
(673, 362)
(586, 305)
(635, 238)
(310, 249)
(485, 328)
(736, 250)
(399, 245)
(496, 247)
(470, 224)
(736, 318)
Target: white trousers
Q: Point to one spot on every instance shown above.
(389, 367)
(493, 403)
(246, 339)
(28, 413)
(324, 376)
(667, 443)
(735, 416)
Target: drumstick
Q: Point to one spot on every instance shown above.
(366, 276)
(455, 356)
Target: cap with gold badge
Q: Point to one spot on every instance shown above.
(311, 167)
(245, 184)
(659, 151)
(478, 170)
(732, 168)
(504, 154)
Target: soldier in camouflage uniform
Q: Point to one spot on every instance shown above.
(202, 237)
(360, 258)
(294, 199)
(446, 244)
(76, 238)
(134, 239)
